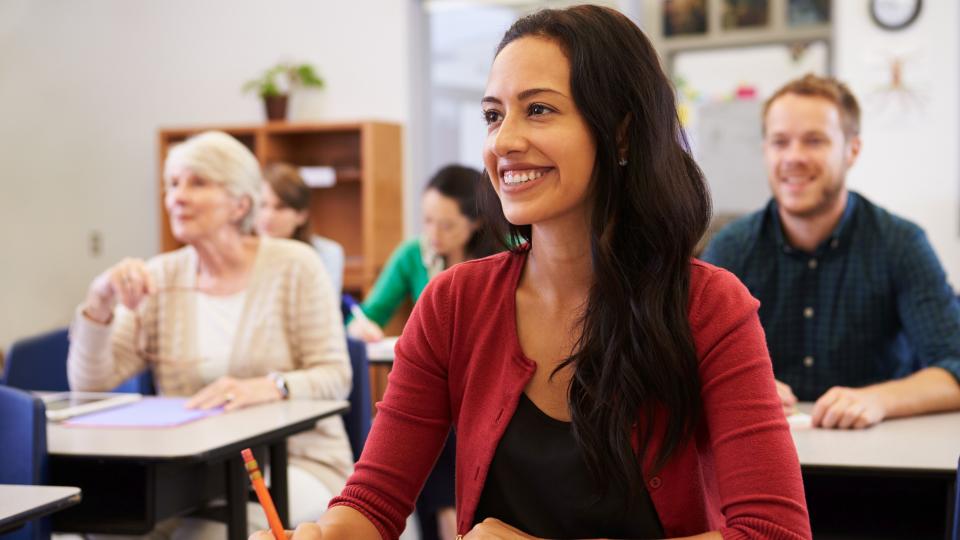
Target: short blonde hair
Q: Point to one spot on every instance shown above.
(218, 157)
(827, 88)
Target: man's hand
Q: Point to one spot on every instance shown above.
(848, 408)
(787, 399)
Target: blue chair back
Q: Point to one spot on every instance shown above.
(357, 419)
(23, 437)
(138, 384)
(40, 363)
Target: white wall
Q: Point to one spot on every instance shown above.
(84, 86)
(911, 138)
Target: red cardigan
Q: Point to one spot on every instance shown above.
(459, 361)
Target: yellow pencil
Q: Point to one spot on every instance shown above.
(263, 495)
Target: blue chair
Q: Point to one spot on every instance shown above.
(23, 437)
(357, 419)
(138, 384)
(40, 363)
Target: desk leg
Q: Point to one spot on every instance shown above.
(278, 481)
(237, 481)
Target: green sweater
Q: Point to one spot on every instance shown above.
(404, 276)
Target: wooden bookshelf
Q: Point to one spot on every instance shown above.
(363, 211)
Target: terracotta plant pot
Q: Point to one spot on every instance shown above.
(276, 107)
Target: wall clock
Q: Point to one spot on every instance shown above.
(895, 14)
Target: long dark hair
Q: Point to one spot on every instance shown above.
(285, 181)
(463, 184)
(636, 354)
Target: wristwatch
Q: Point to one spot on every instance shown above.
(280, 382)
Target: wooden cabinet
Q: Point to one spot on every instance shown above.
(363, 211)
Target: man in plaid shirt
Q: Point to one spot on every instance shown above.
(856, 306)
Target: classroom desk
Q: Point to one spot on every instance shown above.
(20, 504)
(899, 463)
(133, 478)
(922, 445)
(380, 356)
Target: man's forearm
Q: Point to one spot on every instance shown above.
(929, 390)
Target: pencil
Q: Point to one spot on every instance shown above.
(263, 495)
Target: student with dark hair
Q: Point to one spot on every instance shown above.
(602, 383)
(453, 232)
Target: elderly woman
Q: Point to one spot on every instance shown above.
(230, 319)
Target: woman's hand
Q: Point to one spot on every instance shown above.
(305, 531)
(337, 523)
(365, 330)
(494, 529)
(235, 393)
(128, 282)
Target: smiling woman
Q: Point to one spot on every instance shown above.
(543, 135)
(602, 383)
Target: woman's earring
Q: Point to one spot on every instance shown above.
(623, 162)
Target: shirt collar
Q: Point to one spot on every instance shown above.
(839, 237)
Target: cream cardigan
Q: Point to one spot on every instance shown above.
(290, 323)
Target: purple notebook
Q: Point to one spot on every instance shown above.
(149, 412)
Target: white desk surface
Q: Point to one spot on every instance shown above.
(23, 503)
(922, 443)
(187, 440)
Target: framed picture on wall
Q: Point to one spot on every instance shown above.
(808, 12)
(684, 17)
(697, 24)
(745, 14)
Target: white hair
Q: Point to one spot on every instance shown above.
(218, 157)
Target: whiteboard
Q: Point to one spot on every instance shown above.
(731, 157)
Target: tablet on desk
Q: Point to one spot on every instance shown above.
(65, 405)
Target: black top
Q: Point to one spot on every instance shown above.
(539, 483)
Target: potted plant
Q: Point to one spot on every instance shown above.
(276, 83)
